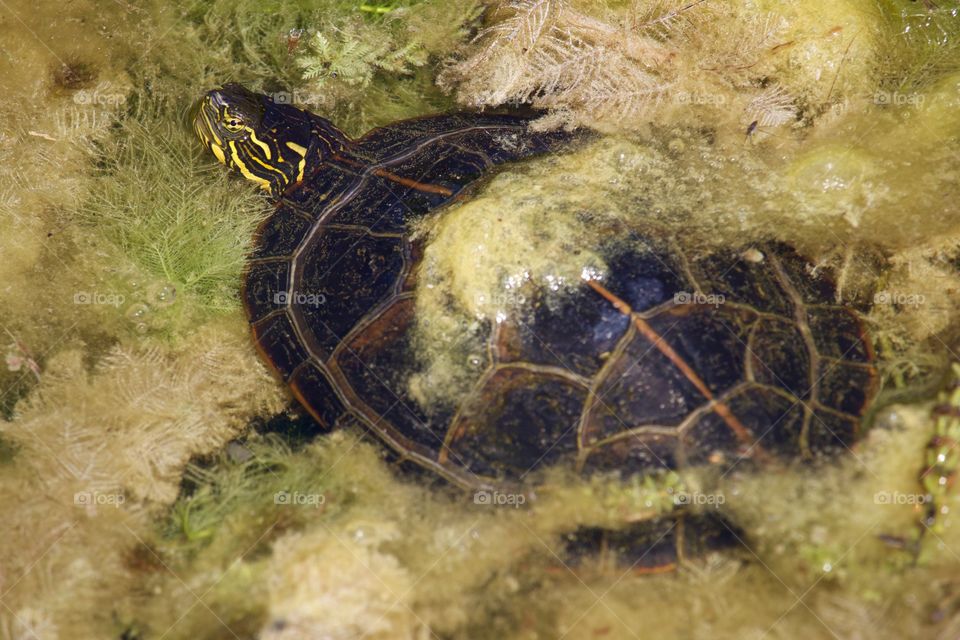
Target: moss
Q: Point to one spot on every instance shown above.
(263, 475)
(829, 53)
(346, 589)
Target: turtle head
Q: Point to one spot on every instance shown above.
(269, 143)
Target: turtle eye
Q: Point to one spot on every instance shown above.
(232, 123)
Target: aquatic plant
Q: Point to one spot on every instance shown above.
(593, 66)
(338, 57)
(92, 453)
(255, 496)
(941, 459)
(370, 72)
(355, 62)
(174, 216)
(354, 52)
(674, 61)
(922, 44)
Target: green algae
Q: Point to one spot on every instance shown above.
(431, 557)
(840, 195)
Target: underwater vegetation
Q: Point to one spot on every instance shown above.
(365, 63)
(140, 496)
(623, 65)
(179, 222)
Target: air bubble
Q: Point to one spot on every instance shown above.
(137, 312)
(163, 294)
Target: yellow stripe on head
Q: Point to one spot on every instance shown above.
(260, 143)
(217, 151)
(302, 152)
(249, 175)
(293, 146)
(210, 127)
(266, 165)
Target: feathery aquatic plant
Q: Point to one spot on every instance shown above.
(614, 68)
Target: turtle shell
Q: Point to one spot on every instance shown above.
(666, 361)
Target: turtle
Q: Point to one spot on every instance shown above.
(666, 360)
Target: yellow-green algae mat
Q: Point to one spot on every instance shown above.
(126, 354)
